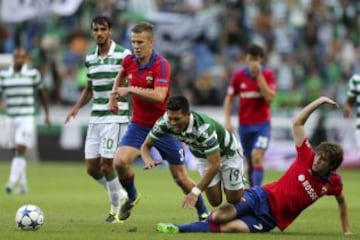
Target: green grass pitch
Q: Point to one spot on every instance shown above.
(75, 207)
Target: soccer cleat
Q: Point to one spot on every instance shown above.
(167, 228)
(8, 190)
(125, 210)
(113, 218)
(203, 217)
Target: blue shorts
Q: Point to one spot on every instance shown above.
(254, 136)
(255, 211)
(169, 148)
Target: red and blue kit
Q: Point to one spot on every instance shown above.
(156, 73)
(299, 188)
(253, 108)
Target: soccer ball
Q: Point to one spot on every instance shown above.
(29, 217)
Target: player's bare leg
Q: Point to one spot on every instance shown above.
(214, 194)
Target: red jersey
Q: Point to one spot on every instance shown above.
(299, 187)
(253, 109)
(156, 73)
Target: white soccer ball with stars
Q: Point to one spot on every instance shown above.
(29, 217)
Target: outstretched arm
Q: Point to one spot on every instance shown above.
(303, 115)
(214, 167)
(343, 210)
(85, 97)
(146, 154)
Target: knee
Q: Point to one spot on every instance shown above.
(223, 214)
(120, 162)
(20, 149)
(107, 167)
(218, 216)
(215, 202)
(93, 172)
(257, 157)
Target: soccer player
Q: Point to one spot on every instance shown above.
(217, 150)
(148, 74)
(105, 128)
(256, 87)
(277, 204)
(18, 86)
(353, 99)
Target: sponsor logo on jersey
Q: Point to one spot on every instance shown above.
(308, 188)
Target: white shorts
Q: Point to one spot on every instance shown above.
(231, 171)
(21, 131)
(102, 139)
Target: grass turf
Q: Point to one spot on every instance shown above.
(75, 207)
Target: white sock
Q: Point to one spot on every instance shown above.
(23, 181)
(18, 167)
(102, 182)
(113, 187)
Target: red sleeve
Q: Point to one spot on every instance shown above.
(125, 64)
(162, 71)
(335, 186)
(305, 152)
(234, 87)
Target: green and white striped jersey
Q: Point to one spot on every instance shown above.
(19, 89)
(354, 92)
(101, 72)
(204, 135)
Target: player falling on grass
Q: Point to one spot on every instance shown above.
(148, 74)
(219, 154)
(311, 176)
(105, 128)
(256, 87)
(18, 86)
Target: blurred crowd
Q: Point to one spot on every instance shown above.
(313, 45)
